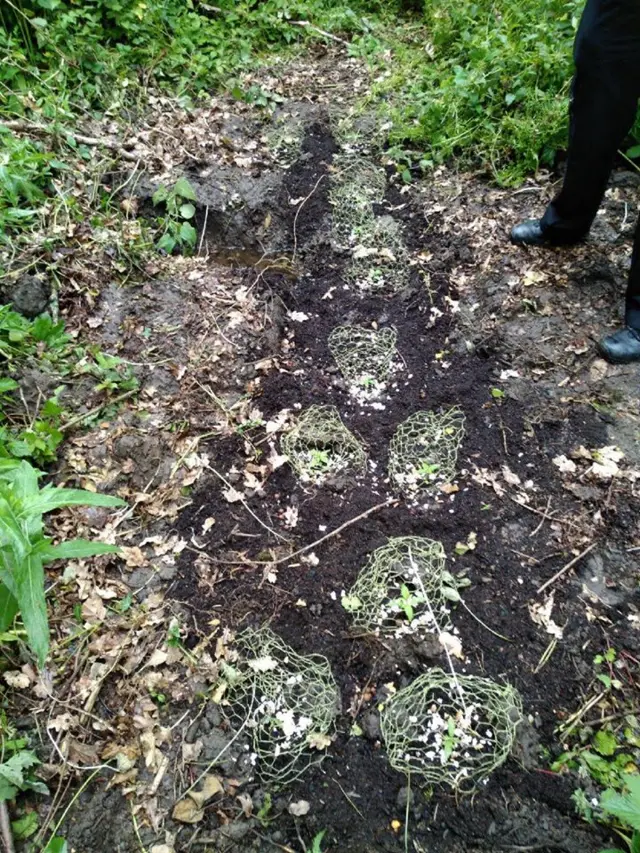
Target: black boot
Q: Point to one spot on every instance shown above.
(531, 233)
(622, 347)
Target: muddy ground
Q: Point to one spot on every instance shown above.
(220, 353)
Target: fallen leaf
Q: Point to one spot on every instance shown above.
(246, 804)
(541, 614)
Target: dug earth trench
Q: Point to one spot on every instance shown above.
(232, 347)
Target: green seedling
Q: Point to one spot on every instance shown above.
(320, 459)
(626, 808)
(407, 602)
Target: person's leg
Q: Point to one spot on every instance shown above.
(632, 308)
(604, 99)
(623, 346)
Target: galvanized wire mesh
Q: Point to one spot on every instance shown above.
(403, 586)
(286, 702)
(356, 183)
(451, 730)
(365, 356)
(424, 449)
(380, 260)
(284, 140)
(319, 445)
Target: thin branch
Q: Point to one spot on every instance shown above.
(365, 514)
(5, 828)
(48, 130)
(566, 568)
(247, 507)
(295, 220)
(307, 25)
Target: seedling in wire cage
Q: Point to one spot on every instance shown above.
(319, 445)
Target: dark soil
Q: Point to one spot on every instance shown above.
(354, 794)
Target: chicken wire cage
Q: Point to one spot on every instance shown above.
(403, 587)
(424, 449)
(320, 446)
(365, 356)
(379, 261)
(450, 730)
(356, 184)
(286, 702)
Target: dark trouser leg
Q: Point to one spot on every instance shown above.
(632, 312)
(604, 100)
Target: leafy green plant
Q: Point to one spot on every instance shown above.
(177, 230)
(407, 602)
(626, 808)
(491, 90)
(25, 550)
(15, 770)
(25, 171)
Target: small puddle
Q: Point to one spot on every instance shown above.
(283, 264)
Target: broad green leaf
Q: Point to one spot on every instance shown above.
(8, 608)
(7, 385)
(51, 498)
(160, 195)
(12, 769)
(24, 481)
(56, 845)
(633, 152)
(75, 549)
(166, 243)
(183, 188)
(188, 234)
(11, 533)
(187, 211)
(30, 594)
(635, 842)
(25, 826)
(7, 791)
(605, 742)
(623, 806)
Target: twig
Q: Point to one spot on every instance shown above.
(546, 655)
(309, 26)
(573, 721)
(34, 127)
(480, 622)
(427, 601)
(365, 514)
(295, 219)
(349, 800)
(566, 568)
(83, 417)
(215, 760)
(611, 717)
(5, 828)
(247, 507)
(204, 229)
(544, 518)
